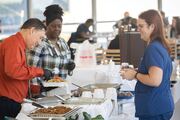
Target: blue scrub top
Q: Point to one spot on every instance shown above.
(152, 101)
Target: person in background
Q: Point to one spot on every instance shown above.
(14, 71)
(127, 20)
(165, 20)
(82, 33)
(114, 44)
(53, 52)
(178, 28)
(175, 28)
(153, 98)
(166, 23)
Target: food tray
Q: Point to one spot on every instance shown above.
(91, 87)
(44, 115)
(84, 101)
(125, 95)
(48, 101)
(54, 84)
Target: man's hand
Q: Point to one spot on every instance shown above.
(47, 74)
(71, 65)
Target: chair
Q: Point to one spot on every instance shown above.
(114, 44)
(113, 54)
(99, 55)
(173, 49)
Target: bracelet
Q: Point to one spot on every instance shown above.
(136, 75)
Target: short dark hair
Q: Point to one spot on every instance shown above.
(89, 21)
(33, 22)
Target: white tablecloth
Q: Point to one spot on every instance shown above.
(104, 109)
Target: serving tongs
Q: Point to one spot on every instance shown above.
(80, 88)
(35, 103)
(72, 112)
(77, 85)
(63, 101)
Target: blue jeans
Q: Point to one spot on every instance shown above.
(166, 116)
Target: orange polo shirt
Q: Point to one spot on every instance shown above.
(14, 72)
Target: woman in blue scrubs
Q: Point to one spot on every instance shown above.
(153, 98)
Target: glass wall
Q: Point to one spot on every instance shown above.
(14, 12)
(75, 11)
(12, 15)
(113, 10)
(171, 8)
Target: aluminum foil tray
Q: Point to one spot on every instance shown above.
(84, 101)
(54, 84)
(91, 87)
(44, 115)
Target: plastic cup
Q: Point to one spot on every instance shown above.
(111, 93)
(86, 94)
(98, 93)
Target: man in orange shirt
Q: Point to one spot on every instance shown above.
(14, 72)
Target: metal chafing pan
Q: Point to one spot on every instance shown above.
(102, 86)
(45, 115)
(51, 100)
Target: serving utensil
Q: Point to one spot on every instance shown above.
(81, 88)
(35, 103)
(61, 98)
(77, 86)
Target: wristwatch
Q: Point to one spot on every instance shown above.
(136, 75)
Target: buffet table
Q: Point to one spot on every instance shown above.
(92, 75)
(82, 77)
(105, 109)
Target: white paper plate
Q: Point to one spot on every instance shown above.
(54, 84)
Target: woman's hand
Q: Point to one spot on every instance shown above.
(128, 74)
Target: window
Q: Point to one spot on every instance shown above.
(75, 11)
(13, 12)
(171, 9)
(12, 15)
(113, 10)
